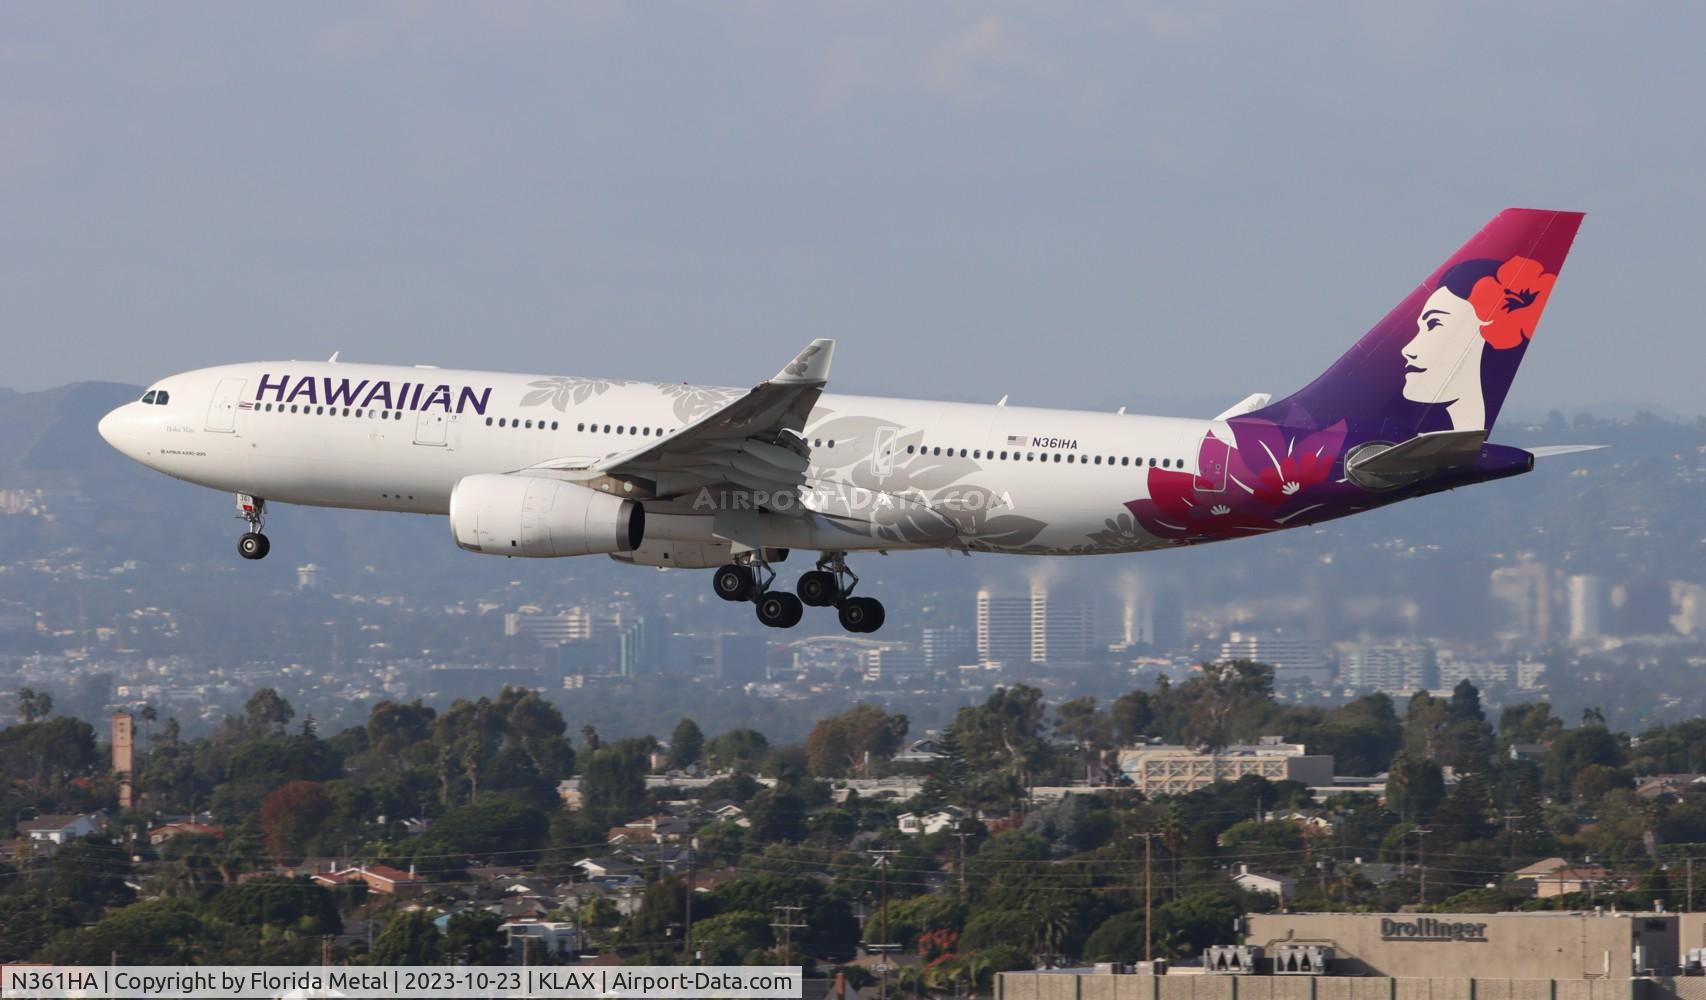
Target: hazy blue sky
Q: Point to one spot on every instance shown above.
(1071, 203)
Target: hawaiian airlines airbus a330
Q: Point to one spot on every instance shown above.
(695, 477)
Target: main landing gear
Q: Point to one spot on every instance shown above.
(252, 544)
(830, 585)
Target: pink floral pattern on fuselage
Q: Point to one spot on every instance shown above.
(1274, 476)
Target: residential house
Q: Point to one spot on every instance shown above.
(62, 828)
(1556, 877)
(1273, 885)
(166, 831)
(946, 818)
(378, 878)
(557, 939)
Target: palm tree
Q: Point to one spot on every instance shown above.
(1051, 922)
(148, 714)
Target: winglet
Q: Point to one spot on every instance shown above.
(810, 365)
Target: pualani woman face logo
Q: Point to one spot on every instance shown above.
(1479, 303)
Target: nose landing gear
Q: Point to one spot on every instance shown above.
(252, 544)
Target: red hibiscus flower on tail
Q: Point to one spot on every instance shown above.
(1509, 303)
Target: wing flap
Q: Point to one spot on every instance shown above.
(750, 442)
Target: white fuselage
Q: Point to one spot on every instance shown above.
(1046, 481)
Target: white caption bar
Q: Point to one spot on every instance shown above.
(255, 982)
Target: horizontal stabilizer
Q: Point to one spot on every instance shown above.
(1417, 458)
(1554, 450)
(1249, 404)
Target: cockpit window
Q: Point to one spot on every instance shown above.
(161, 398)
(148, 397)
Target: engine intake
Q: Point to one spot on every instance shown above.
(539, 518)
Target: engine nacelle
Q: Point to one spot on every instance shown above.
(535, 517)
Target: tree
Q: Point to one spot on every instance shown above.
(613, 782)
(777, 814)
(292, 814)
(1133, 715)
(841, 744)
(410, 938)
(949, 775)
(295, 904)
(165, 931)
(475, 937)
(266, 713)
(686, 745)
(1222, 696)
(737, 748)
(33, 705)
(1414, 787)
(727, 938)
(1004, 734)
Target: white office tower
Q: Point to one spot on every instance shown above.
(1402, 667)
(575, 624)
(1063, 628)
(1585, 595)
(308, 577)
(1003, 629)
(1295, 659)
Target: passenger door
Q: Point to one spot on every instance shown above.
(1212, 457)
(222, 411)
(432, 428)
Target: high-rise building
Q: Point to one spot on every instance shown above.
(308, 577)
(552, 630)
(642, 645)
(1403, 667)
(947, 648)
(1003, 629)
(1585, 596)
(1295, 659)
(741, 659)
(1153, 618)
(893, 664)
(1063, 630)
(1525, 591)
(1690, 603)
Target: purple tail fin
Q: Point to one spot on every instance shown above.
(1445, 357)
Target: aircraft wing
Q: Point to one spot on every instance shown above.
(752, 442)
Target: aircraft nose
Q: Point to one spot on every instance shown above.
(117, 429)
(108, 426)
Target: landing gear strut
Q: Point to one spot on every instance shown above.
(829, 586)
(252, 544)
(750, 580)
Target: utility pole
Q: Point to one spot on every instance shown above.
(1422, 863)
(883, 919)
(687, 915)
(786, 925)
(961, 836)
(1688, 902)
(1148, 893)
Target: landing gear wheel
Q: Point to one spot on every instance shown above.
(780, 609)
(733, 583)
(861, 614)
(253, 545)
(818, 588)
